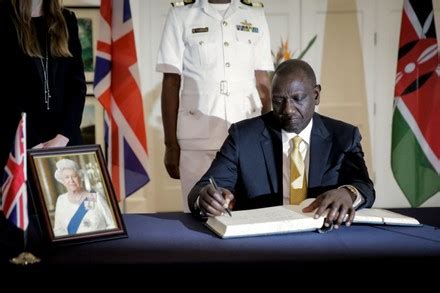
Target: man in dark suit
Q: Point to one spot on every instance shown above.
(253, 169)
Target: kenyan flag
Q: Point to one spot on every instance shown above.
(416, 120)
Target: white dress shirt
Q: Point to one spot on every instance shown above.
(304, 150)
(287, 149)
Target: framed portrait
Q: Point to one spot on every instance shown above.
(88, 26)
(92, 123)
(73, 195)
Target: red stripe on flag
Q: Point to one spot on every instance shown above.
(104, 47)
(14, 188)
(20, 215)
(125, 86)
(424, 105)
(106, 99)
(106, 11)
(16, 182)
(122, 94)
(421, 96)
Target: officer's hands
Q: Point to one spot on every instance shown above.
(171, 160)
(338, 203)
(212, 203)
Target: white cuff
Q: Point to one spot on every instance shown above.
(63, 141)
(196, 203)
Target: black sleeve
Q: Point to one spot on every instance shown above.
(354, 170)
(9, 111)
(75, 81)
(224, 168)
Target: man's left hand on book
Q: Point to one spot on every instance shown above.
(214, 202)
(336, 205)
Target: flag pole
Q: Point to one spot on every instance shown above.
(24, 258)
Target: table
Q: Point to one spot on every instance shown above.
(176, 242)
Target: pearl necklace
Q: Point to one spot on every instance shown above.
(77, 198)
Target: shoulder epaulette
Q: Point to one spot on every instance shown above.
(182, 3)
(252, 3)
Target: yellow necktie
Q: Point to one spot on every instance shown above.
(298, 182)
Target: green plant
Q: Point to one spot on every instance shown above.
(284, 52)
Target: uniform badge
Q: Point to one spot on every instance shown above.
(200, 30)
(246, 26)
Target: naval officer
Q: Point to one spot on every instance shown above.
(214, 56)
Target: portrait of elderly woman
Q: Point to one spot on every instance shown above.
(79, 210)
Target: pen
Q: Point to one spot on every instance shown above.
(214, 185)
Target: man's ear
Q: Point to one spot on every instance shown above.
(317, 90)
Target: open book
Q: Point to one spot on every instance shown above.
(290, 218)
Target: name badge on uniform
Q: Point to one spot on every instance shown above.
(200, 30)
(246, 26)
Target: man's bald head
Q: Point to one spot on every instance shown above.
(296, 67)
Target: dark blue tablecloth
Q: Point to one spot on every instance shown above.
(176, 240)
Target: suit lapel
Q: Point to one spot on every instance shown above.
(272, 150)
(320, 146)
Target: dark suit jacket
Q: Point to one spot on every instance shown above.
(249, 163)
(21, 89)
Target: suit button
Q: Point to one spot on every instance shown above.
(225, 23)
(226, 44)
(201, 43)
(191, 112)
(228, 64)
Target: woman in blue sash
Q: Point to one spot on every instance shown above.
(78, 210)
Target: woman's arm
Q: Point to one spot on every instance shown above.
(75, 91)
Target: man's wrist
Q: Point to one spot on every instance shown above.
(194, 202)
(355, 195)
(198, 209)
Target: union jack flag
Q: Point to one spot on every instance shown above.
(117, 87)
(14, 187)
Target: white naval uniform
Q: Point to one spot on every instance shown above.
(216, 57)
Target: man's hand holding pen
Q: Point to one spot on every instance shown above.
(215, 201)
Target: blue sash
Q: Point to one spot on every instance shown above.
(75, 221)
